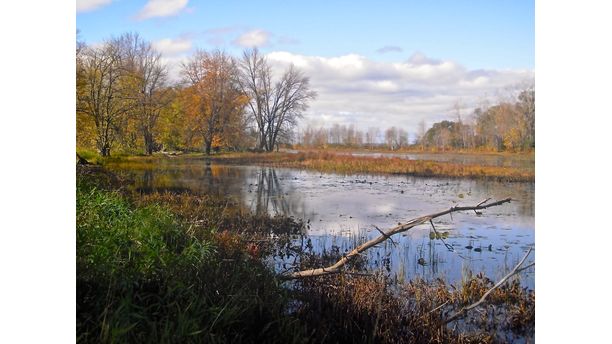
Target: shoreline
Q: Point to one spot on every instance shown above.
(328, 162)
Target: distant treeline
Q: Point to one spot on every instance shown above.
(125, 101)
(506, 126)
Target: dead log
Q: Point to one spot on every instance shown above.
(336, 268)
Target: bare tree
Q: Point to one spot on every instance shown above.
(372, 136)
(148, 85)
(274, 107)
(391, 138)
(402, 138)
(527, 106)
(421, 133)
(461, 128)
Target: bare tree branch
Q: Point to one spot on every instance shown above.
(514, 271)
(336, 268)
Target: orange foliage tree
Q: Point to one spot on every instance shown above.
(213, 102)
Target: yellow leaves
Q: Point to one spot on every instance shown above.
(217, 142)
(513, 139)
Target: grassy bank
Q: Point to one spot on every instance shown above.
(146, 275)
(346, 164)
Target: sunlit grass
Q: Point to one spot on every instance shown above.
(346, 164)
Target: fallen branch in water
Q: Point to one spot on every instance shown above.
(514, 271)
(336, 268)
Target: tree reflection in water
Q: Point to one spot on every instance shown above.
(272, 198)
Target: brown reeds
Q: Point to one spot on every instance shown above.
(347, 164)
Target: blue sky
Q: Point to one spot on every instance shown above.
(425, 55)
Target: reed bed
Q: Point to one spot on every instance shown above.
(347, 164)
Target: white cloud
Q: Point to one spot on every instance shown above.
(90, 5)
(172, 47)
(175, 66)
(355, 89)
(161, 8)
(253, 38)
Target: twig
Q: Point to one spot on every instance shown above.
(383, 233)
(435, 309)
(485, 201)
(514, 271)
(448, 246)
(336, 268)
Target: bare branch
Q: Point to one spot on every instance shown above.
(514, 271)
(336, 268)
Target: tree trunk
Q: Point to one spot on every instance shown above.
(208, 145)
(148, 142)
(105, 151)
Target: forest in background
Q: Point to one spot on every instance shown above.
(127, 104)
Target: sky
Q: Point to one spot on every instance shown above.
(372, 63)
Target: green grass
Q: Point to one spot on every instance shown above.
(142, 278)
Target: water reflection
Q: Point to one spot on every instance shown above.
(341, 211)
(271, 196)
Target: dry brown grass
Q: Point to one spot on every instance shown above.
(373, 309)
(346, 164)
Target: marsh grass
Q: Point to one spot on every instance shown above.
(371, 309)
(346, 164)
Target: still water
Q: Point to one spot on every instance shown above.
(341, 212)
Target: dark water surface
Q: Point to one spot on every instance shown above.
(341, 212)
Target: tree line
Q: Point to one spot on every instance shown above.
(126, 102)
(349, 136)
(506, 126)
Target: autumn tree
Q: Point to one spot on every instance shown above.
(173, 132)
(147, 91)
(213, 99)
(274, 106)
(100, 95)
(526, 106)
(85, 133)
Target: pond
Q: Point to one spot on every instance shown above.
(341, 212)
